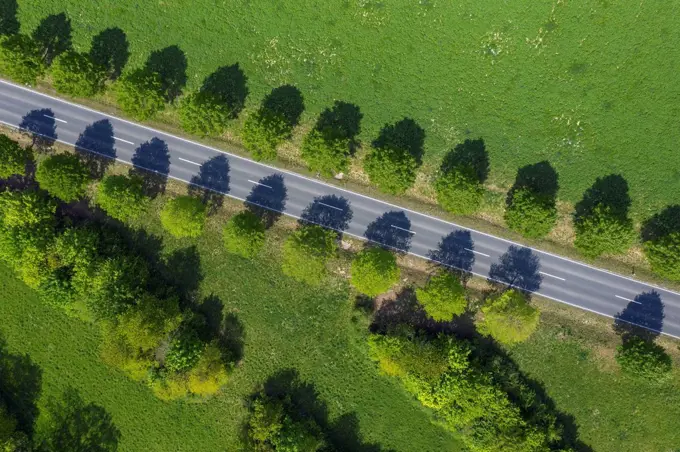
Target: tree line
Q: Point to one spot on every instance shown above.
(601, 222)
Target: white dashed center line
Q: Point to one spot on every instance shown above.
(189, 161)
(124, 141)
(402, 229)
(55, 118)
(476, 252)
(627, 299)
(327, 205)
(552, 276)
(257, 183)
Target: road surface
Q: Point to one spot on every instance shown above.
(554, 277)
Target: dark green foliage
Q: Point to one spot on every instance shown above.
(601, 218)
(53, 36)
(20, 59)
(184, 351)
(443, 297)
(306, 252)
(140, 94)
(115, 285)
(9, 24)
(122, 197)
(459, 183)
(661, 241)
(531, 203)
(75, 74)
(110, 51)
(63, 176)
(244, 234)
(13, 158)
(395, 156)
(184, 216)
(374, 271)
(643, 359)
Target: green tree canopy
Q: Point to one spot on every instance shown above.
(392, 169)
(531, 214)
(508, 317)
(325, 154)
(459, 184)
(13, 157)
(306, 252)
(644, 359)
(21, 59)
(374, 271)
(661, 240)
(185, 350)
(204, 114)
(263, 131)
(63, 176)
(184, 216)
(114, 285)
(27, 208)
(122, 197)
(443, 297)
(75, 74)
(244, 234)
(603, 232)
(140, 94)
(150, 322)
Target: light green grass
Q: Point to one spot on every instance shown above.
(590, 85)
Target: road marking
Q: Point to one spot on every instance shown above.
(124, 141)
(476, 252)
(189, 161)
(55, 118)
(257, 183)
(328, 205)
(552, 276)
(402, 229)
(627, 299)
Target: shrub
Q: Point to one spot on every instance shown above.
(122, 197)
(114, 285)
(184, 352)
(244, 234)
(20, 58)
(75, 74)
(530, 213)
(63, 176)
(644, 359)
(508, 317)
(209, 374)
(306, 252)
(204, 114)
(27, 208)
(150, 322)
(263, 131)
(13, 158)
(458, 189)
(661, 241)
(184, 216)
(603, 232)
(140, 94)
(374, 271)
(443, 297)
(393, 170)
(326, 155)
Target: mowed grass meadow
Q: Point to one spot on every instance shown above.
(592, 85)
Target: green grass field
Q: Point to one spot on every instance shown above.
(591, 86)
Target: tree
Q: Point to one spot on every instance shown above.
(204, 114)
(458, 189)
(140, 94)
(184, 351)
(20, 58)
(183, 216)
(150, 322)
(75, 74)
(508, 317)
(122, 197)
(13, 158)
(443, 297)
(306, 252)
(209, 374)
(392, 169)
(603, 232)
(73, 425)
(661, 241)
(244, 234)
(530, 213)
(644, 359)
(263, 131)
(27, 208)
(374, 271)
(63, 176)
(326, 154)
(114, 285)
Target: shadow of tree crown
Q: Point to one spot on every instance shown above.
(405, 135)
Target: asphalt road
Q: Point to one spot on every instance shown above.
(551, 276)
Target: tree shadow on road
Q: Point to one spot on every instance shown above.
(267, 199)
(212, 182)
(42, 127)
(455, 251)
(96, 147)
(329, 211)
(391, 230)
(642, 317)
(518, 267)
(152, 164)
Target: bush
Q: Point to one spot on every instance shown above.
(184, 216)
(644, 359)
(393, 170)
(27, 208)
(443, 297)
(306, 252)
(113, 286)
(326, 155)
(13, 158)
(262, 132)
(20, 59)
(75, 74)
(374, 271)
(603, 232)
(508, 317)
(151, 321)
(661, 242)
(140, 94)
(209, 374)
(122, 197)
(63, 176)
(530, 213)
(204, 114)
(244, 234)
(184, 352)
(458, 191)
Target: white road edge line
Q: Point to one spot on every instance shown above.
(124, 141)
(23, 88)
(627, 299)
(189, 161)
(367, 240)
(257, 183)
(402, 229)
(55, 118)
(476, 252)
(327, 205)
(552, 276)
